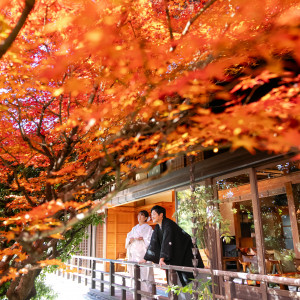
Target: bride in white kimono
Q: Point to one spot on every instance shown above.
(137, 242)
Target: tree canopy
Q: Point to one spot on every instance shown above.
(93, 92)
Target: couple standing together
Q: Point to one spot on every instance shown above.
(167, 244)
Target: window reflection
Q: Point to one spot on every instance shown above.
(278, 188)
(234, 194)
(276, 223)
(196, 208)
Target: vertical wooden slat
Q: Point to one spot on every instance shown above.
(293, 218)
(153, 289)
(93, 285)
(79, 260)
(74, 262)
(87, 262)
(111, 278)
(102, 283)
(68, 268)
(172, 281)
(116, 236)
(137, 282)
(229, 288)
(93, 241)
(258, 230)
(123, 290)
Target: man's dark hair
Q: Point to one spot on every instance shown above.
(144, 213)
(159, 210)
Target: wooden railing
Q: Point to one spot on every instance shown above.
(92, 271)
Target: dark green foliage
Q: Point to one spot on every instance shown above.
(43, 291)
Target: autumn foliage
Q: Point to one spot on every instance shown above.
(91, 89)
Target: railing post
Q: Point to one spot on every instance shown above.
(93, 274)
(86, 272)
(153, 286)
(73, 260)
(101, 283)
(79, 260)
(137, 282)
(112, 278)
(172, 281)
(123, 290)
(68, 269)
(229, 288)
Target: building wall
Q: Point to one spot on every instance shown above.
(120, 220)
(100, 241)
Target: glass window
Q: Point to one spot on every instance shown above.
(278, 188)
(193, 213)
(234, 194)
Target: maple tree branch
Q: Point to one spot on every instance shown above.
(6, 162)
(93, 94)
(27, 238)
(44, 145)
(193, 19)
(22, 131)
(66, 151)
(22, 189)
(4, 46)
(169, 19)
(69, 105)
(132, 28)
(87, 182)
(70, 240)
(45, 106)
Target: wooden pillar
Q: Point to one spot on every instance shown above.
(93, 241)
(214, 242)
(218, 258)
(258, 230)
(293, 218)
(237, 225)
(257, 222)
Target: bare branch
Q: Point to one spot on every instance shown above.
(193, 19)
(29, 4)
(22, 189)
(27, 238)
(169, 20)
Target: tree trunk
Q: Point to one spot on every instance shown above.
(23, 288)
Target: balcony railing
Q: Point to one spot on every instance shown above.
(103, 279)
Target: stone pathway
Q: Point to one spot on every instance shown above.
(67, 289)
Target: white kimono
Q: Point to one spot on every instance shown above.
(136, 251)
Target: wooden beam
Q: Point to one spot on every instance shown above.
(293, 218)
(212, 167)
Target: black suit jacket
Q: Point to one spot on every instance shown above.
(173, 244)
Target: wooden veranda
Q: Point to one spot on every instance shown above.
(227, 285)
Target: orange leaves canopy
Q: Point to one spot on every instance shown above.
(93, 92)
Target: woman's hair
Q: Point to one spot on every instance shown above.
(144, 213)
(159, 210)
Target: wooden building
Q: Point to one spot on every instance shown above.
(259, 195)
